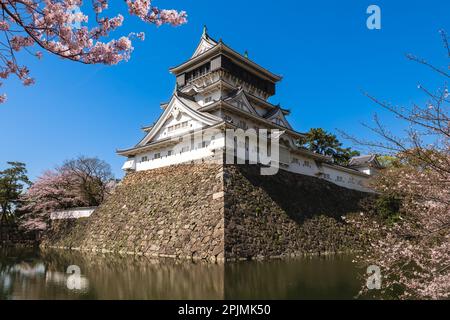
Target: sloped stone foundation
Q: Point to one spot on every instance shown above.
(286, 215)
(171, 212)
(216, 212)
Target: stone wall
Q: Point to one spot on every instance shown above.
(168, 212)
(286, 215)
(11, 235)
(213, 212)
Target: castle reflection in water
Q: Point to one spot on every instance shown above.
(34, 274)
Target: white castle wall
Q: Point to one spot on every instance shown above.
(190, 125)
(213, 150)
(76, 213)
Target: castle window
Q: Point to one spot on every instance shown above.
(339, 179)
(242, 124)
(228, 119)
(208, 99)
(241, 105)
(306, 163)
(326, 176)
(170, 129)
(157, 156)
(200, 71)
(144, 159)
(185, 149)
(294, 160)
(169, 153)
(177, 126)
(184, 124)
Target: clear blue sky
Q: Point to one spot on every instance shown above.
(322, 48)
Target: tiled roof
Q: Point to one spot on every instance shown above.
(363, 160)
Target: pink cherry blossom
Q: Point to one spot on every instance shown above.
(60, 27)
(65, 187)
(413, 248)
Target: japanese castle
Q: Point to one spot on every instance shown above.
(219, 89)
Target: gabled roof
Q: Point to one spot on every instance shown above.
(183, 104)
(226, 105)
(277, 113)
(209, 48)
(250, 97)
(240, 95)
(365, 160)
(346, 169)
(206, 43)
(147, 128)
(271, 113)
(266, 103)
(166, 142)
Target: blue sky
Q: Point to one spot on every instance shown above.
(322, 49)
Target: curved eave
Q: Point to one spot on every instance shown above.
(207, 118)
(228, 85)
(205, 38)
(222, 48)
(229, 106)
(136, 150)
(348, 170)
(250, 96)
(238, 56)
(311, 154)
(131, 152)
(147, 129)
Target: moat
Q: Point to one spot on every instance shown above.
(35, 274)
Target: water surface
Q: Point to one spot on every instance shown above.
(35, 274)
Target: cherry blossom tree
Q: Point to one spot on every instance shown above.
(53, 190)
(81, 182)
(414, 252)
(59, 27)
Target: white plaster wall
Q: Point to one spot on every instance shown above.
(72, 214)
(196, 152)
(351, 181)
(200, 98)
(260, 110)
(164, 132)
(250, 124)
(368, 170)
(303, 165)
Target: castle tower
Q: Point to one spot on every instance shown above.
(215, 71)
(216, 89)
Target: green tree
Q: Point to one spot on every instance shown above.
(322, 142)
(12, 182)
(388, 161)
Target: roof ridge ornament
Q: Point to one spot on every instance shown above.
(205, 31)
(246, 54)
